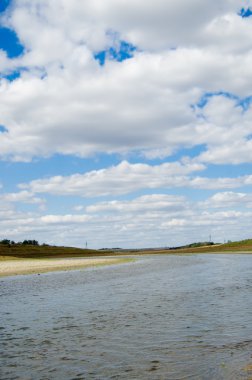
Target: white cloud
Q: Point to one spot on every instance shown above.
(64, 219)
(229, 199)
(150, 25)
(127, 178)
(6, 211)
(153, 220)
(228, 129)
(115, 180)
(219, 183)
(22, 197)
(65, 103)
(145, 203)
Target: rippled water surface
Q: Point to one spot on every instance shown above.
(161, 317)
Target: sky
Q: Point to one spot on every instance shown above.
(125, 123)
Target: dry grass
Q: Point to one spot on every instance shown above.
(36, 252)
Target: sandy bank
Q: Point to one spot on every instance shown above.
(30, 266)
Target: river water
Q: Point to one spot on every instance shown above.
(161, 317)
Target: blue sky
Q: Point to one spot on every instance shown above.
(125, 124)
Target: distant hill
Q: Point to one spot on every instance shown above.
(45, 251)
(237, 246)
(199, 247)
(18, 250)
(195, 245)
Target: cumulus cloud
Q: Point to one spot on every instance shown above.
(145, 203)
(188, 84)
(64, 102)
(152, 26)
(127, 178)
(64, 219)
(229, 199)
(141, 104)
(115, 180)
(22, 197)
(6, 211)
(151, 220)
(228, 128)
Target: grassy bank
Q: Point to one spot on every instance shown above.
(19, 251)
(46, 251)
(233, 247)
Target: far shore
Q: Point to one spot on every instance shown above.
(12, 267)
(20, 258)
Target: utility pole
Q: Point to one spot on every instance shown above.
(86, 244)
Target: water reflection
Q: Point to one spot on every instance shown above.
(163, 317)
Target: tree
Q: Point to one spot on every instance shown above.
(30, 242)
(5, 241)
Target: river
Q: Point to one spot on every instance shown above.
(161, 317)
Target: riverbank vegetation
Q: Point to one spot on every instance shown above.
(32, 249)
(29, 251)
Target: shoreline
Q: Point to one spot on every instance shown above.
(36, 266)
(13, 266)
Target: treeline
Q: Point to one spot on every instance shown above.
(24, 242)
(194, 245)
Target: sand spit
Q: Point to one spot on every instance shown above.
(36, 266)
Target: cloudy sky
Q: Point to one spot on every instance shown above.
(125, 123)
